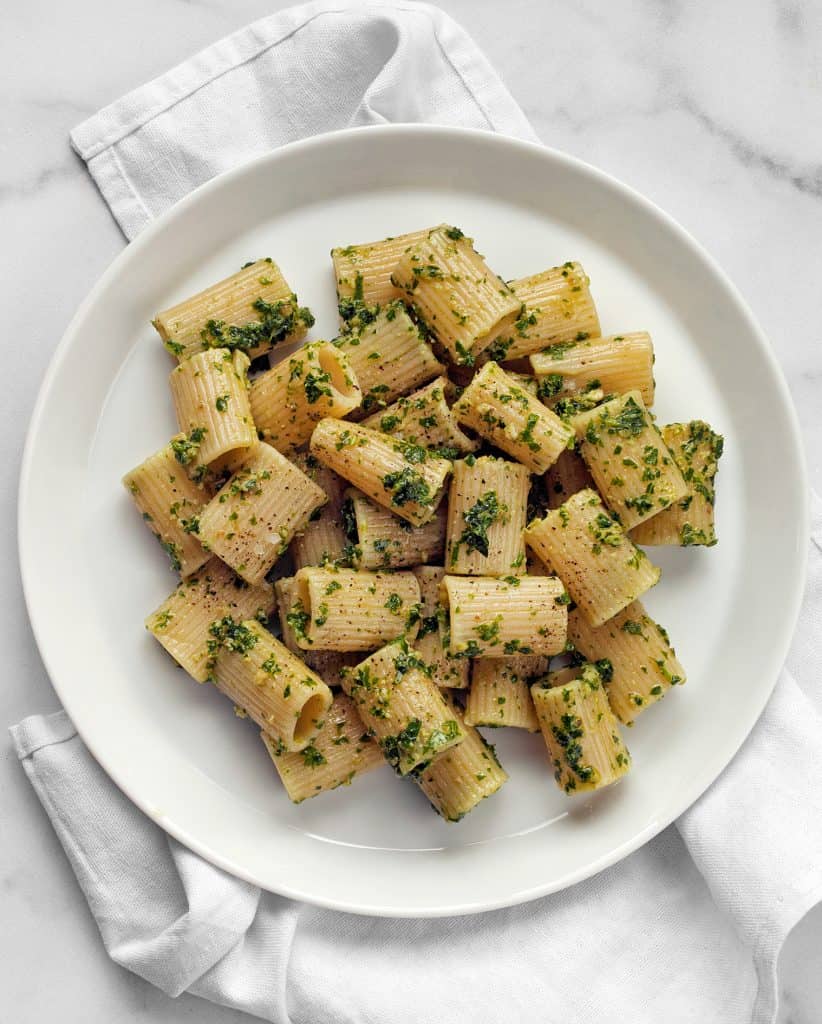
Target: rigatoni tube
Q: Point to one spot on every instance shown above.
(322, 539)
(445, 670)
(170, 503)
(509, 417)
(696, 449)
(602, 569)
(329, 665)
(339, 753)
(401, 707)
(210, 394)
(402, 477)
(363, 272)
(270, 684)
(381, 540)
(500, 691)
(615, 364)
(389, 356)
(425, 418)
(288, 400)
(490, 617)
(249, 523)
(632, 466)
(580, 731)
(486, 517)
(558, 309)
(249, 312)
(634, 655)
(342, 610)
(455, 293)
(182, 622)
(460, 778)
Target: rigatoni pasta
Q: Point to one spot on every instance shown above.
(322, 539)
(288, 400)
(389, 356)
(460, 778)
(340, 752)
(634, 656)
(343, 610)
(249, 523)
(383, 541)
(329, 473)
(268, 683)
(602, 569)
(182, 622)
(210, 393)
(403, 477)
(696, 449)
(454, 292)
(170, 503)
(631, 465)
(580, 731)
(557, 309)
(486, 517)
(329, 665)
(509, 417)
(488, 617)
(401, 707)
(425, 418)
(363, 272)
(500, 691)
(446, 671)
(249, 312)
(616, 364)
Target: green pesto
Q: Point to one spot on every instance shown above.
(316, 384)
(187, 448)
(277, 320)
(486, 511)
(312, 758)
(298, 618)
(407, 486)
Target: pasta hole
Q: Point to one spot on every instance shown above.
(302, 594)
(306, 726)
(329, 359)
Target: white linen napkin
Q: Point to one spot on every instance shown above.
(688, 928)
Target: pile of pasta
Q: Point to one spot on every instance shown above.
(427, 525)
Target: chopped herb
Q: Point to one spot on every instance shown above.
(406, 486)
(550, 386)
(312, 758)
(316, 384)
(298, 618)
(489, 631)
(187, 448)
(482, 515)
(527, 435)
(348, 520)
(604, 669)
(633, 627)
(277, 321)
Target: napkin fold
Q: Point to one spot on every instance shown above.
(688, 928)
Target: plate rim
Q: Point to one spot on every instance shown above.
(778, 650)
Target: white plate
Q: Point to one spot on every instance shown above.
(92, 572)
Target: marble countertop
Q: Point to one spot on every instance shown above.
(711, 110)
